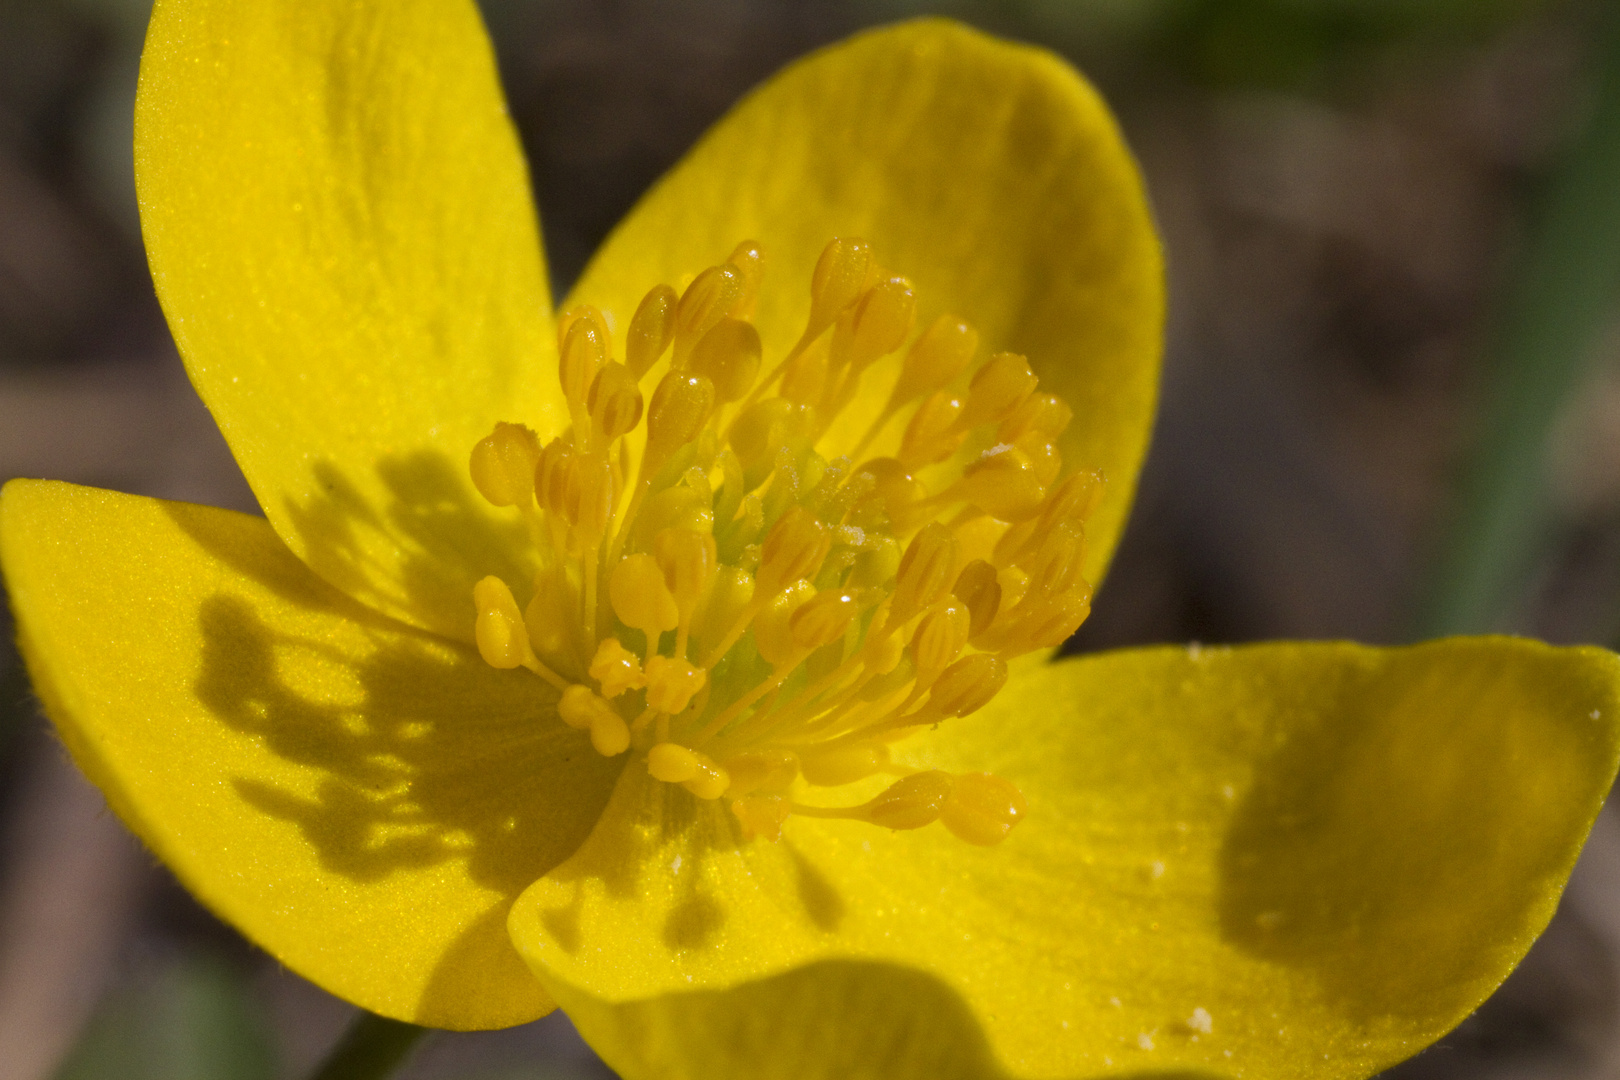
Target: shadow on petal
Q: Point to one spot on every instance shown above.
(1407, 844)
(417, 557)
(891, 1023)
(420, 752)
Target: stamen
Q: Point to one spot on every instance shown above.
(826, 602)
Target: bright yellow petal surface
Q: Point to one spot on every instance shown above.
(989, 173)
(362, 799)
(1291, 861)
(338, 219)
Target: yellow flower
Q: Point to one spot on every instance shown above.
(1282, 860)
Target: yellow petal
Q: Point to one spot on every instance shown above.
(991, 174)
(1277, 861)
(338, 219)
(361, 799)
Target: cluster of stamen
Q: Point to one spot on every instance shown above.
(737, 590)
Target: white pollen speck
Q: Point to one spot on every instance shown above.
(866, 845)
(1200, 1021)
(1114, 1001)
(1228, 1053)
(1145, 1041)
(1195, 650)
(1156, 869)
(1597, 714)
(1065, 1025)
(676, 865)
(1107, 1060)
(1228, 792)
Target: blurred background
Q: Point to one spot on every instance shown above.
(1391, 410)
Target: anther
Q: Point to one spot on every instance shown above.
(616, 669)
(672, 682)
(934, 432)
(762, 816)
(804, 379)
(728, 355)
(878, 324)
(773, 626)
(749, 259)
(940, 638)
(822, 620)
(688, 561)
(582, 709)
(1073, 499)
(503, 463)
(912, 802)
(680, 407)
(793, 549)
(845, 764)
(584, 351)
(997, 389)
(696, 771)
(640, 598)
(614, 402)
(935, 360)
(652, 328)
(704, 303)
(1045, 413)
(966, 686)
(769, 770)
(892, 487)
(925, 574)
(976, 586)
(503, 641)
(982, 808)
(837, 281)
(1003, 482)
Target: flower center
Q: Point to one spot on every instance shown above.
(735, 587)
